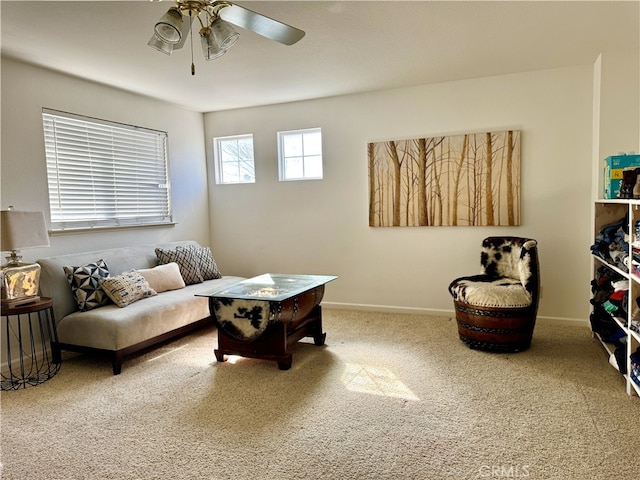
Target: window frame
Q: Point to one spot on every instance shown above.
(218, 161)
(90, 163)
(282, 176)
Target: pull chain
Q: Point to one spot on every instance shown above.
(193, 65)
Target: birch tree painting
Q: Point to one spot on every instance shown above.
(470, 179)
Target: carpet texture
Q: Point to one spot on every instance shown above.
(389, 396)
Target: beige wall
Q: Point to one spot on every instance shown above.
(616, 107)
(26, 90)
(322, 226)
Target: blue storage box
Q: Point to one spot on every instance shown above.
(613, 167)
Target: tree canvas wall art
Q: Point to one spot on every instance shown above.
(457, 180)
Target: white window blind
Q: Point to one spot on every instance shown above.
(105, 174)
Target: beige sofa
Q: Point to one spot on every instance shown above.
(122, 331)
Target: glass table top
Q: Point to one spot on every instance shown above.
(270, 286)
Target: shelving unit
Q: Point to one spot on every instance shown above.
(608, 212)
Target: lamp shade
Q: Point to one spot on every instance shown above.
(224, 33)
(210, 47)
(160, 45)
(22, 229)
(169, 26)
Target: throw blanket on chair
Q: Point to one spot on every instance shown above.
(506, 278)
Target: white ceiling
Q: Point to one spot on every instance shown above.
(349, 47)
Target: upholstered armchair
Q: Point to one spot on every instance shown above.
(496, 309)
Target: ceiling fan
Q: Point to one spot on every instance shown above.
(216, 33)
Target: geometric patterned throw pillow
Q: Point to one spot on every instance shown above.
(85, 284)
(127, 288)
(206, 263)
(187, 263)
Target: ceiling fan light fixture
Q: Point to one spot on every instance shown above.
(224, 33)
(156, 42)
(216, 35)
(210, 47)
(169, 27)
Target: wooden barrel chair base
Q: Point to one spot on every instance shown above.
(496, 309)
(502, 330)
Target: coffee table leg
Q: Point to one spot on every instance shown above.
(316, 328)
(319, 338)
(285, 364)
(219, 355)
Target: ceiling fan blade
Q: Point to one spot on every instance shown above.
(265, 26)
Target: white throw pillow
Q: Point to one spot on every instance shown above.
(163, 277)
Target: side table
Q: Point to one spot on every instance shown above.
(28, 331)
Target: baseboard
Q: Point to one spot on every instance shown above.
(557, 321)
(387, 309)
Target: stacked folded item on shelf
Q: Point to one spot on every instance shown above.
(635, 317)
(635, 259)
(635, 366)
(618, 358)
(612, 244)
(610, 292)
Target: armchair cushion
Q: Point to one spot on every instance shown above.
(490, 291)
(508, 275)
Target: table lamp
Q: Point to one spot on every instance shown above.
(19, 230)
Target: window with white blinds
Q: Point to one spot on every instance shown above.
(105, 174)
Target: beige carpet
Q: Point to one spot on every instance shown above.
(389, 397)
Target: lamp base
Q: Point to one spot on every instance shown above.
(18, 302)
(19, 281)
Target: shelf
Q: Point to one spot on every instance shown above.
(620, 201)
(614, 218)
(613, 267)
(622, 323)
(609, 347)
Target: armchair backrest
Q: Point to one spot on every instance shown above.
(512, 257)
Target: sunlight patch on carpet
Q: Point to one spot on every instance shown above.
(233, 359)
(172, 350)
(375, 381)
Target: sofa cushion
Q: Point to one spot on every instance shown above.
(127, 288)
(163, 277)
(85, 284)
(113, 328)
(187, 262)
(53, 280)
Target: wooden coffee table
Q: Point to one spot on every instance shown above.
(263, 316)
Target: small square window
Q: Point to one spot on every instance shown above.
(233, 157)
(300, 154)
